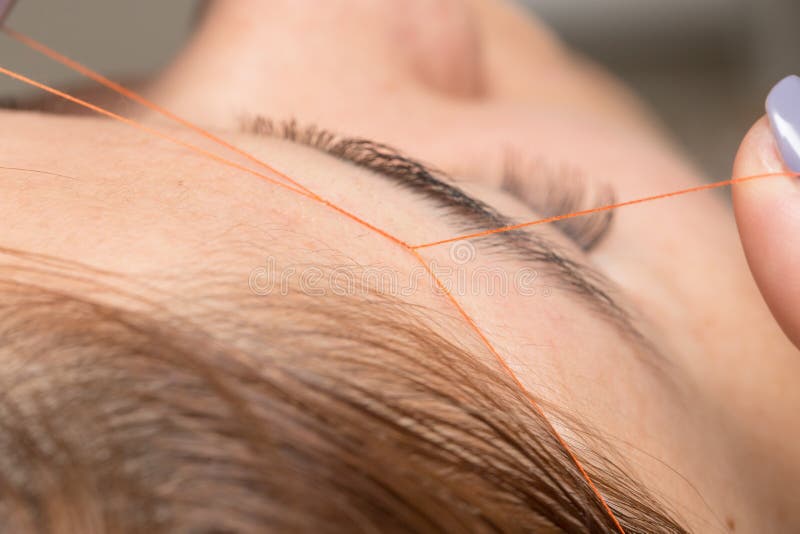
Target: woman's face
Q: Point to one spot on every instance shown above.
(656, 338)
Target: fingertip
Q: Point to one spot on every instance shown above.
(768, 217)
(759, 155)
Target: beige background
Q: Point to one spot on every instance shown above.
(706, 65)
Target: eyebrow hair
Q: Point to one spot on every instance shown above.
(469, 213)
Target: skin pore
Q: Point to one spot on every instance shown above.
(703, 413)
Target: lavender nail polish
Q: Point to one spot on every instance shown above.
(783, 109)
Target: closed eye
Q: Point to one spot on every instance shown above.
(551, 192)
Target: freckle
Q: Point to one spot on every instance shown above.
(731, 524)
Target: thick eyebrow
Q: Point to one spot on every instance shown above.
(468, 213)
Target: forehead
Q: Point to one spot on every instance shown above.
(87, 188)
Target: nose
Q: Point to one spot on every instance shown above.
(433, 42)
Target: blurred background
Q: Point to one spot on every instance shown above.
(705, 65)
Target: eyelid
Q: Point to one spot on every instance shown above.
(552, 192)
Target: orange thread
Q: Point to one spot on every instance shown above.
(136, 97)
(201, 151)
(601, 209)
(142, 127)
(517, 382)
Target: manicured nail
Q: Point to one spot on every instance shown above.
(783, 109)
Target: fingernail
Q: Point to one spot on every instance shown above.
(783, 109)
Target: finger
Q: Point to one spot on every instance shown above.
(768, 211)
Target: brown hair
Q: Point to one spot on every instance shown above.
(227, 412)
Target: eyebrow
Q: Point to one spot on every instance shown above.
(469, 213)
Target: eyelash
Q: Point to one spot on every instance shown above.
(553, 191)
